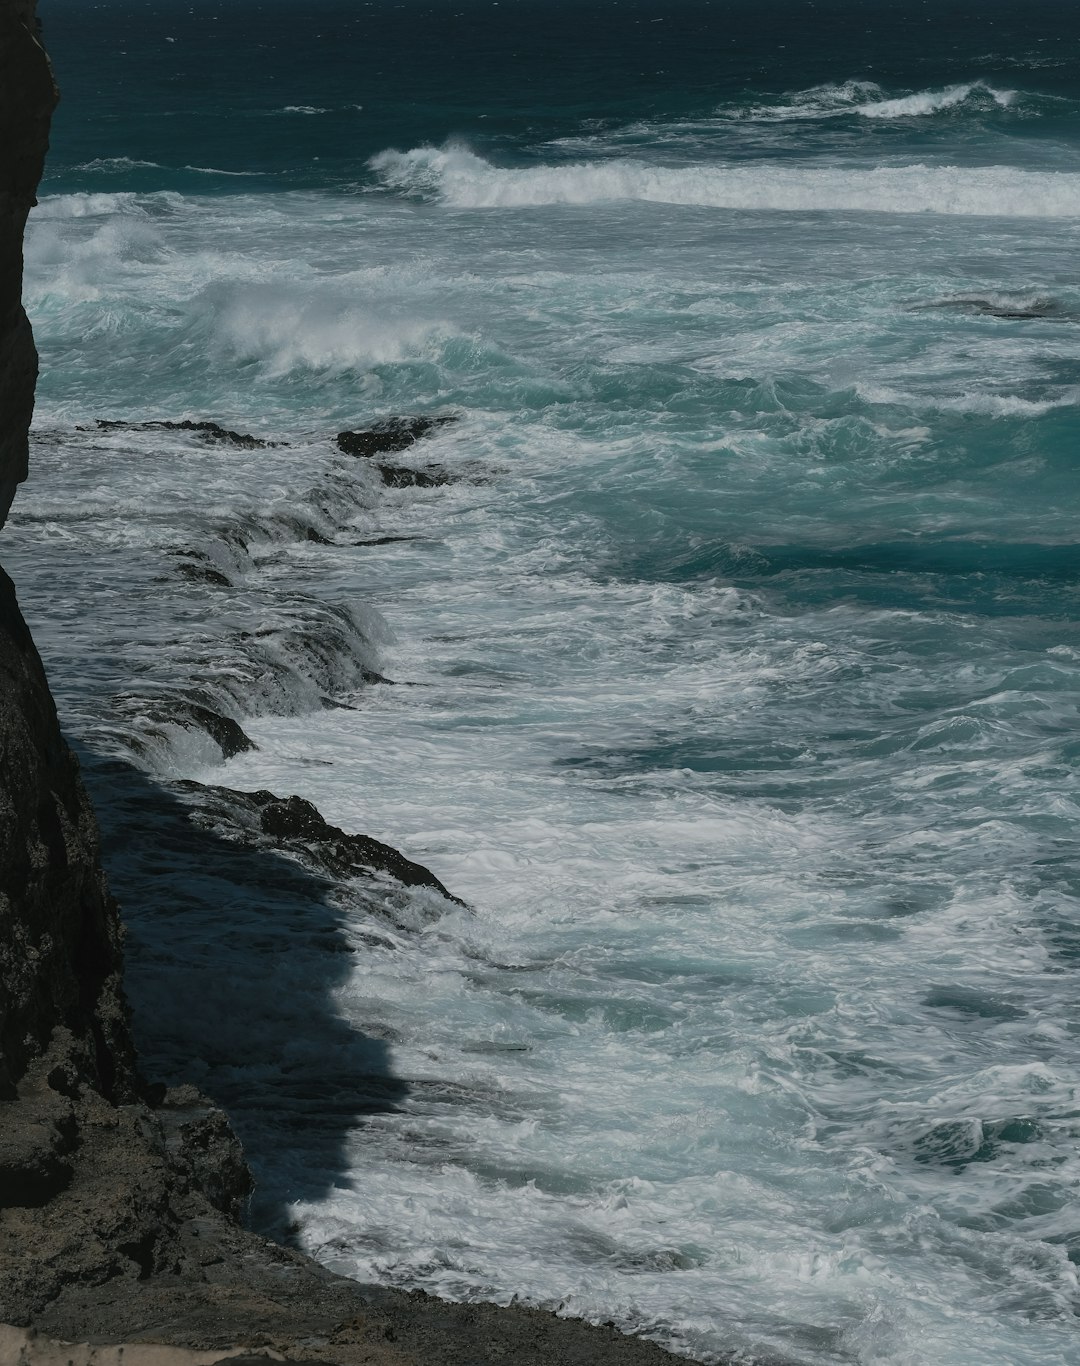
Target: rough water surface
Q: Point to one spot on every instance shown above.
(721, 655)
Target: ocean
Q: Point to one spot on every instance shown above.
(720, 653)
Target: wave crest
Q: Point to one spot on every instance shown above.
(868, 100)
(285, 329)
(99, 204)
(926, 102)
(458, 178)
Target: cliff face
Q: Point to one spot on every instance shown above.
(59, 931)
(60, 957)
(27, 99)
(95, 1187)
(66, 1058)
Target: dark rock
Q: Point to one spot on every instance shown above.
(33, 1156)
(402, 477)
(296, 825)
(206, 431)
(200, 572)
(384, 540)
(27, 98)
(205, 1150)
(264, 820)
(299, 529)
(1041, 308)
(60, 934)
(226, 733)
(392, 434)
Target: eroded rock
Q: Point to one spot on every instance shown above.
(210, 432)
(392, 434)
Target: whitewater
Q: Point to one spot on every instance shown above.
(719, 651)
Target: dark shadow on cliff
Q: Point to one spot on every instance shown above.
(233, 957)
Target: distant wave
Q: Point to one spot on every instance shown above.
(460, 179)
(934, 101)
(98, 205)
(869, 100)
(310, 109)
(216, 170)
(118, 164)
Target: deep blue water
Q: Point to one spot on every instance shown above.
(746, 634)
(178, 85)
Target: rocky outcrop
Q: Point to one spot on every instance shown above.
(27, 99)
(60, 960)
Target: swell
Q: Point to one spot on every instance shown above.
(458, 178)
(867, 99)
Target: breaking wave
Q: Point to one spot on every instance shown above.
(460, 179)
(926, 102)
(284, 329)
(117, 165)
(868, 99)
(102, 205)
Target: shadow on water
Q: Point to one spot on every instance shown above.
(233, 957)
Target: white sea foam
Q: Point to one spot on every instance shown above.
(459, 178)
(86, 205)
(925, 102)
(119, 164)
(98, 205)
(869, 100)
(985, 404)
(286, 329)
(215, 170)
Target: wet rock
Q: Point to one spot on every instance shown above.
(207, 431)
(384, 540)
(27, 97)
(199, 569)
(996, 308)
(392, 434)
(402, 477)
(296, 528)
(297, 825)
(226, 733)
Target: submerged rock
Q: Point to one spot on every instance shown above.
(392, 434)
(227, 734)
(401, 477)
(207, 431)
(194, 565)
(999, 308)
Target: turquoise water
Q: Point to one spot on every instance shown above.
(745, 641)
